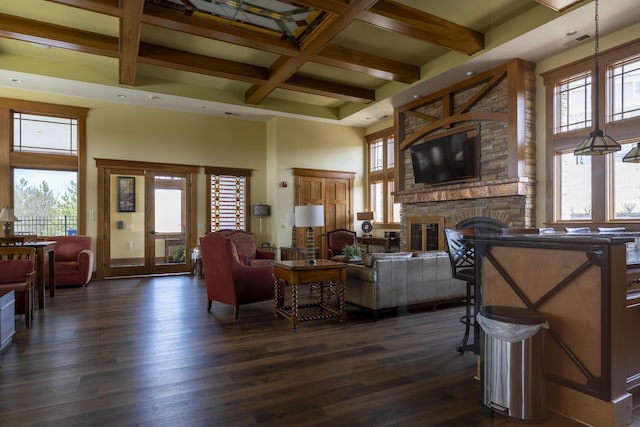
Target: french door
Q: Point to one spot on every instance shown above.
(147, 221)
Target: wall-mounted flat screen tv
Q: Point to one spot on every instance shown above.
(448, 158)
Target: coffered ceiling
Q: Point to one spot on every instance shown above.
(337, 60)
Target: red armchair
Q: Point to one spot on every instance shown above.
(228, 280)
(74, 260)
(18, 273)
(248, 252)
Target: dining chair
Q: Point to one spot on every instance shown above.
(18, 273)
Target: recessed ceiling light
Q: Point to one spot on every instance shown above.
(470, 73)
(154, 97)
(572, 33)
(17, 81)
(416, 95)
(121, 96)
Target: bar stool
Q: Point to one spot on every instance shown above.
(461, 252)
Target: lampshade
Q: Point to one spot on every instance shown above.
(597, 143)
(291, 219)
(309, 216)
(633, 156)
(7, 215)
(261, 210)
(364, 216)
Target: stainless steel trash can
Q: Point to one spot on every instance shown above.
(512, 365)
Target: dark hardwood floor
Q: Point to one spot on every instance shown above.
(145, 351)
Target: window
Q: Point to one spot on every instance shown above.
(626, 187)
(228, 195)
(381, 177)
(625, 89)
(574, 186)
(594, 189)
(573, 104)
(45, 145)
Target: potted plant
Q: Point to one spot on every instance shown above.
(352, 253)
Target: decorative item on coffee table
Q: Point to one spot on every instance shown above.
(352, 253)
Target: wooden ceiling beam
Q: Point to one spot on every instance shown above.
(201, 64)
(28, 30)
(373, 65)
(130, 29)
(285, 67)
(393, 16)
(315, 86)
(396, 17)
(211, 29)
(333, 55)
(106, 7)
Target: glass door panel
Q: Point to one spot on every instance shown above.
(168, 248)
(126, 224)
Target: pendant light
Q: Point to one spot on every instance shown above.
(597, 143)
(633, 156)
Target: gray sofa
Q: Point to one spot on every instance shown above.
(402, 279)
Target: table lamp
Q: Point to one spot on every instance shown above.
(8, 216)
(291, 220)
(261, 211)
(309, 216)
(367, 217)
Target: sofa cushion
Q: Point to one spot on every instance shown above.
(15, 270)
(370, 259)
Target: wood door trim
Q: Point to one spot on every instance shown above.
(157, 167)
(319, 173)
(105, 167)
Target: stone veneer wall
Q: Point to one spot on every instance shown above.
(516, 210)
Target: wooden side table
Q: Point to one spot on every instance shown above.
(297, 272)
(289, 253)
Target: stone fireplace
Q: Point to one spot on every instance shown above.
(500, 104)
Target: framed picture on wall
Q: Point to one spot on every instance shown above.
(126, 194)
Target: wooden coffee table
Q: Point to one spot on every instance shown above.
(299, 272)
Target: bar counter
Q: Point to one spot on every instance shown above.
(583, 284)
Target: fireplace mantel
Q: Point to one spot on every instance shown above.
(475, 190)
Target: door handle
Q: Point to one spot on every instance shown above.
(152, 232)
